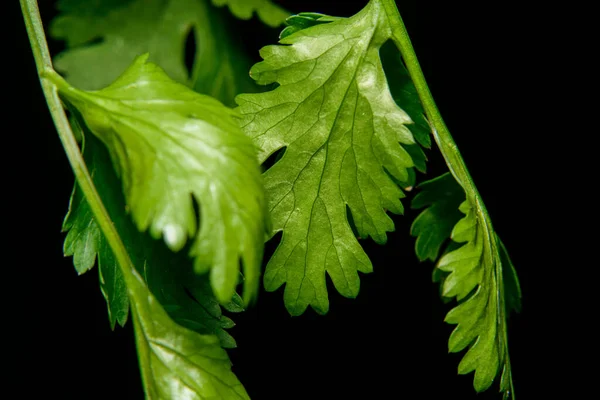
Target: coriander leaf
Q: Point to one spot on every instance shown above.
(189, 301)
(187, 298)
(177, 363)
(405, 94)
(401, 87)
(473, 273)
(441, 196)
(103, 39)
(85, 242)
(341, 130)
(112, 285)
(83, 237)
(171, 147)
(303, 20)
(269, 13)
(475, 278)
(400, 84)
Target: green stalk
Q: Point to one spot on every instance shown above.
(43, 61)
(49, 78)
(447, 147)
(441, 133)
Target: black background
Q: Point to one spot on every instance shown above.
(390, 342)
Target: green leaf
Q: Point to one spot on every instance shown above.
(473, 273)
(85, 245)
(441, 196)
(405, 94)
(187, 298)
(303, 20)
(173, 147)
(112, 284)
(475, 279)
(400, 84)
(401, 87)
(103, 38)
(341, 130)
(177, 363)
(269, 13)
(85, 242)
(83, 237)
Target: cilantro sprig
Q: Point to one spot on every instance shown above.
(171, 204)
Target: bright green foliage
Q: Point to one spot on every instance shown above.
(182, 186)
(442, 196)
(177, 363)
(171, 147)
(401, 88)
(169, 276)
(268, 12)
(341, 130)
(475, 274)
(127, 29)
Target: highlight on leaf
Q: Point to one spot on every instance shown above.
(345, 141)
(173, 147)
(473, 270)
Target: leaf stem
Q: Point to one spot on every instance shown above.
(441, 133)
(447, 147)
(43, 61)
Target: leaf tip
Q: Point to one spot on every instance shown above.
(174, 236)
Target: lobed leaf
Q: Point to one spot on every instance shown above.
(172, 147)
(177, 363)
(187, 298)
(441, 198)
(476, 271)
(85, 242)
(342, 135)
